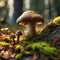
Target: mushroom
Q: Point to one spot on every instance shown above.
(18, 33)
(12, 36)
(30, 19)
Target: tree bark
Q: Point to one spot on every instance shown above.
(57, 5)
(18, 7)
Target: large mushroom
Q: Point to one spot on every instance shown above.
(30, 19)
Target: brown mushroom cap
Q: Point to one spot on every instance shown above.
(18, 33)
(30, 16)
(12, 36)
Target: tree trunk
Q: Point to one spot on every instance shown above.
(37, 5)
(18, 6)
(57, 5)
(49, 7)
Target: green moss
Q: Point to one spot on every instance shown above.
(43, 48)
(18, 56)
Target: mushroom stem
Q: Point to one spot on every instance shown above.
(18, 39)
(31, 30)
(14, 41)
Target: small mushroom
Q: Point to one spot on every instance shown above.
(18, 33)
(12, 36)
(30, 19)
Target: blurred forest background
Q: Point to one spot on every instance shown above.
(10, 10)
